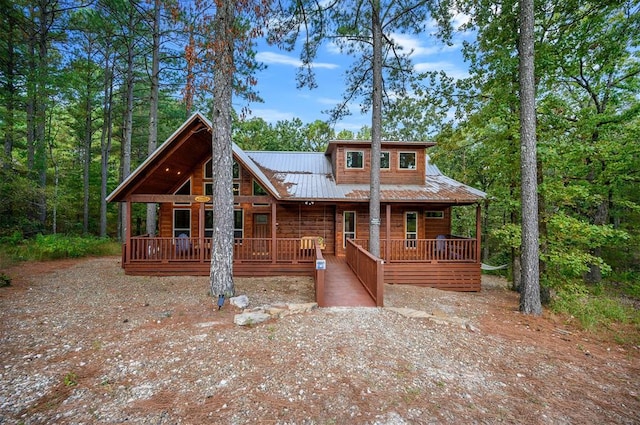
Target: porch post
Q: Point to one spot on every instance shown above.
(201, 230)
(478, 234)
(127, 230)
(387, 249)
(274, 228)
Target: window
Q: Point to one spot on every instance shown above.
(407, 160)
(434, 214)
(355, 159)
(181, 222)
(238, 224)
(259, 191)
(185, 189)
(384, 160)
(349, 226)
(410, 228)
(236, 171)
(236, 189)
(208, 170)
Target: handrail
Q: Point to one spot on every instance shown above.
(368, 269)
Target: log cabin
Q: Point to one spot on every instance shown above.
(295, 211)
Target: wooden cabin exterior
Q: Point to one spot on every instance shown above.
(287, 204)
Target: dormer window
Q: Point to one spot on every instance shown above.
(407, 161)
(355, 159)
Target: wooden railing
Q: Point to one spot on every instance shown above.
(447, 249)
(368, 269)
(185, 249)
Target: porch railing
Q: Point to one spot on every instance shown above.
(443, 249)
(368, 269)
(186, 249)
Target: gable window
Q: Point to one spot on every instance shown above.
(355, 159)
(384, 160)
(407, 160)
(349, 226)
(258, 190)
(181, 222)
(208, 170)
(236, 171)
(410, 228)
(185, 189)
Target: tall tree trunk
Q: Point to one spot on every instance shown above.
(88, 135)
(9, 70)
(153, 105)
(105, 142)
(376, 132)
(128, 123)
(530, 290)
(221, 273)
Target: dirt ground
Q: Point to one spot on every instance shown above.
(83, 343)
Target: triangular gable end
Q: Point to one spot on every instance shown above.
(148, 178)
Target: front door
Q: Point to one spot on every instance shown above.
(261, 231)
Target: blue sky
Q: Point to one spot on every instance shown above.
(283, 101)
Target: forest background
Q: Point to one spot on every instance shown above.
(77, 94)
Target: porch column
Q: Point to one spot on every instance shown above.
(478, 234)
(127, 230)
(387, 249)
(274, 228)
(201, 230)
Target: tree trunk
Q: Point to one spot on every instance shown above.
(105, 142)
(128, 125)
(530, 289)
(153, 106)
(221, 272)
(376, 132)
(88, 136)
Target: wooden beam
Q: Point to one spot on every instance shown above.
(157, 198)
(478, 234)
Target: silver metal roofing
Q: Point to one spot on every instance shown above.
(309, 176)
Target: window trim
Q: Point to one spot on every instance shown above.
(346, 160)
(415, 160)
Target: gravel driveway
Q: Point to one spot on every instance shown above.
(84, 344)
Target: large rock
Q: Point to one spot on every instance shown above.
(250, 318)
(241, 301)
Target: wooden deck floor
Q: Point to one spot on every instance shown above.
(342, 287)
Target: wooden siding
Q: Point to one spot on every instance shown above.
(446, 276)
(393, 175)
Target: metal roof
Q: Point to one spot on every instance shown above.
(295, 176)
(309, 176)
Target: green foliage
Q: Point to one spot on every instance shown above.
(5, 280)
(592, 308)
(52, 247)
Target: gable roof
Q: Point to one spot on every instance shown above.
(288, 176)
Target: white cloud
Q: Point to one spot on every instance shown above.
(271, 115)
(280, 59)
(451, 69)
